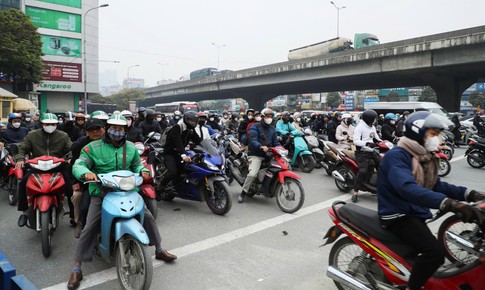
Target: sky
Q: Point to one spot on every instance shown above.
(170, 38)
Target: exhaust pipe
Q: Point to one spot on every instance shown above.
(338, 176)
(345, 279)
(461, 242)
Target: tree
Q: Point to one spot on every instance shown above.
(121, 99)
(477, 99)
(334, 100)
(20, 47)
(393, 97)
(428, 95)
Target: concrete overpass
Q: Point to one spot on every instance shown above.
(448, 62)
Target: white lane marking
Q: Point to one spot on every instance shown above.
(458, 158)
(107, 275)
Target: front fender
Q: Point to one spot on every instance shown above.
(212, 179)
(133, 228)
(286, 173)
(148, 190)
(44, 202)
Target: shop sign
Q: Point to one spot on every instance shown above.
(70, 3)
(61, 46)
(52, 19)
(61, 71)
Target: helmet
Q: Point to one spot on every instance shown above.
(296, 115)
(346, 115)
(150, 114)
(126, 114)
(285, 114)
(116, 112)
(80, 116)
(249, 111)
(257, 113)
(177, 113)
(369, 116)
(267, 112)
(202, 114)
(117, 119)
(190, 119)
(417, 123)
(48, 118)
(141, 109)
(158, 113)
(14, 116)
(69, 116)
(338, 114)
(390, 116)
(99, 115)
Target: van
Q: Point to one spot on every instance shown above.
(401, 107)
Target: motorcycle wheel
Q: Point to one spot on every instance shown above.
(448, 153)
(292, 199)
(345, 186)
(151, 204)
(346, 256)
(444, 167)
(476, 159)
(138, 271)
(467, 231)
(45, 232)
(219, 202)
(306, 163)
(13, 185)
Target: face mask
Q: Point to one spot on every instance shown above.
(258, 119)
(298, 119)
(49, 129)
(59, 122)
(268, 121)
(250, 117)
(202, 123)
(116, 135)
(392, 122)
(211, 119)
(16, 125)
(27, 119)
(225, 116)
(159, 119)
(129, 122)
(432, 143)
(176, 117)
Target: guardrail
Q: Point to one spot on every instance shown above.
(8, 278)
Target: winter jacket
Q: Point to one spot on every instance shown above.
(332, 129)
(343, 139)
(101, 156)
(13, 135)
(40, 143)
(73, 131)
(242, 127)
(387, 130)
(283, 129)
(261, 134)
(178, 137)
(146, 127)
(133, 135)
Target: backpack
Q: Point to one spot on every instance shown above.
(163, 137)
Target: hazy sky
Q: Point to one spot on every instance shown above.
(171, 38)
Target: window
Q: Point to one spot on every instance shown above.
(5, 109)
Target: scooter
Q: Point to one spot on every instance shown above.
(276, 180)
(45, 189)
(314, 147)
(331, 151)
(236, 161)
(123, 240)
(203, 179)
(371, 258)
(475, 154)
(300, 154)
(10, 176)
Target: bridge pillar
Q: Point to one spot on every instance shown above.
(449, 90)
(257, 101)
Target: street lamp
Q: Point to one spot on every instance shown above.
(338, 15)
(128, 75)
(84, 56)
(218, 48)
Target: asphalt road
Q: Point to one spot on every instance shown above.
(246, 249)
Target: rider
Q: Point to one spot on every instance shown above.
(162, 120)
(285, 129)
(14, 133)
(248, 118)
(80, 121)
(176, 118)
(365, 138)
(202, 129)
(388, 129)
(297, 122)
(408, 186)
(100, 115)
(132, 133)
(141, 116)
(332, 127)
(262, 136)
(68, 126)
(213, 122)
(149, 124)
(345, 131)
(101, 156)
(29, 123)
(45, 141)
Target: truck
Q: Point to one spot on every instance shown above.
(107, 108)
(333, 45)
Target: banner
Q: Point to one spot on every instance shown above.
(54, 19)
(61, 71)
(70, 3)
(61, 46)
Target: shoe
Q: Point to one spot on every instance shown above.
(72, 223)
(74, 280)
(78, 230)
(241, 197)
(165, 256)
(22, 220)
(355, 198)
(368, 187)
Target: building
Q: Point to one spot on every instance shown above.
(4, 5)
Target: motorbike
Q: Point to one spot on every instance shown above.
(45, 189)
(147, 190)
(274, 179)
(331, 160)
(475, 154)
(236, 161)
(10, 176)
(300, 155)
(446, 146)
(346, 173)
(123, 240)
(203, 179)
(444, 165)
(314, 147)
(370, 257)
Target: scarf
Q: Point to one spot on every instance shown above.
(425, 164)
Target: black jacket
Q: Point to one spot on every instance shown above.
(386, 131)
(133, 135)
(13, 135)
(73, 131)
(332, 129)
(242, 127)
(178, 137)
(146, 127)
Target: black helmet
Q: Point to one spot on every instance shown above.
(417, 123)
(150, 114)
(141, 110)
(369, 116)
(69, 116)
(191, 119)
(249, 111)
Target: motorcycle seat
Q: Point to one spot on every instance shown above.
(349, 153)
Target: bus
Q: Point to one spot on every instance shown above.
(169, 108)
(205, 72)
(401, 107)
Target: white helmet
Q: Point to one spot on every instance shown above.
(346, 115)
(177, 113)
(126, 114)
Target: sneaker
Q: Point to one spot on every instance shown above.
(22, 220)
(241, 197)
(355, 197)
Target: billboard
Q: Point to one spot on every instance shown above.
(52, 19)
(61, 71)
(61, 46)
(70, 3)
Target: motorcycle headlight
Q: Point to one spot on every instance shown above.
(126, 183)
(282, 152)
(210, 165)
(140, 148)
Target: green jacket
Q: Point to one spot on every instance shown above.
(101, 156)
(39, 143)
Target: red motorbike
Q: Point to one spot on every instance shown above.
(445, 165)
(10, 176)
(45, 189)
(147, 188)
(346, 173)
(370, 257)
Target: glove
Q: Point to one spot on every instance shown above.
(468, 212)
(344, 133)
(474, 196)
(371, 145)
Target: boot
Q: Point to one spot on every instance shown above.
(241, 197)
(22, 220)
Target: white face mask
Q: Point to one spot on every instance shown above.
(211, 119)
(225, 116)
(49, 129)
(392, 122)
(159, 119)
(258, 119)
(16, 125)
(129, 122)
(27, 119)
(250, 117)
(432, 143)
(268, 120)
(298, 119)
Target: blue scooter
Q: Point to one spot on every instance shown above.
(123, 238)
(300, 155)
(203, 179)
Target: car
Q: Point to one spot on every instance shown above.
(467, 121)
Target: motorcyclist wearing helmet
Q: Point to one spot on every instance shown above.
(149, 124)
(388, 130)
(213, 122)
(110, 153)
(176, 118)
(100, 115)
(321, 125)
(332, 127)
(141, 116)
(284, 127)
(68, 126)
(14, 133)
(297, 122)
(248, 118)
(257, 118)
(45, 141)
(162, 120)
(202, 129)
(29, 123)
(408, 186)
(262, 136)
(365, 139)
(80, 121)
(132, 133)
(225, 119)
(233, 124)
(345, 132)
(178, 137)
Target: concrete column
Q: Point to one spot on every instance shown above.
(449, 90)
(257, 101)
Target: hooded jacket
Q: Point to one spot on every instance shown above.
(40, 143)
